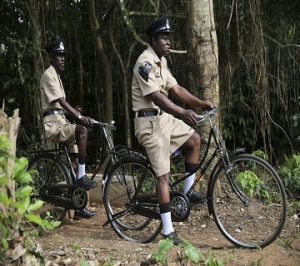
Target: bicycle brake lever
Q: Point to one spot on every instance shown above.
(93, 121)
(200, 118)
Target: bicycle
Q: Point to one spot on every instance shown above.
(54, 180)
(246, 197)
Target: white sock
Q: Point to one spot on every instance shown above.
(188, 182)
(167, 223)
(81, 170)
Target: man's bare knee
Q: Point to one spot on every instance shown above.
(81, 132)
(193, 142)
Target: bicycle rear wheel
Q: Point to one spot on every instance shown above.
(249, 202)
(126, 180)
(49, 170)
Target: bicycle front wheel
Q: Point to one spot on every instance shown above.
(127, 180)
(49, 170)
(248, 202)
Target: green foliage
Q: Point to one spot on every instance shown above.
(285, 243)
(77, 250)
(289, 172)
(15, 205)
(295, 207)
(160, 255)
(251, 184)
(261, 154)
(214, 262)
(190, 254)
(258, 262)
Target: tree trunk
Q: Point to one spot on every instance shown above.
(203, 54)
(35, 8)
(10, 127)
(104, 62)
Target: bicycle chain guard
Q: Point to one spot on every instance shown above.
(66, 196)
(180, 206)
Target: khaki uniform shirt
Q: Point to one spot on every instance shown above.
(51, 89)
(57, 127)
(160, 135)
(159, 78)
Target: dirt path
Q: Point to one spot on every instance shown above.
(72, 241)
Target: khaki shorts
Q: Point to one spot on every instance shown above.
(161, 136)
(59, 129)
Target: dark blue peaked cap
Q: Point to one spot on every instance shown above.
(56, 47)
(160, 25)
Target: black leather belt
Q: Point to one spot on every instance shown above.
(53, 112)
(148, 112)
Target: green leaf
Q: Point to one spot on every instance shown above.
(56, 223)
(19, 166)
(83, 262)
(4, 199)
(192, 253)
(35, 218)
(23, 191)
(23, 177)
(36, 205)
(4, 243)
(164, 245)
(3, 180)
(20, 206)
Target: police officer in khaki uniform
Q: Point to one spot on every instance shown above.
(57, 127)
(156, 127)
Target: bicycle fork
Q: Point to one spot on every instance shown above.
(228, 171)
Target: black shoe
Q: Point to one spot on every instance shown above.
(176, 240)
(85, 213)
(197, 198)
(85, 182)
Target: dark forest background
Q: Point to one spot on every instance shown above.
(259, 52)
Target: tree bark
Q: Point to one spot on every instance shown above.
(10, 127)
(104, 62)
(35, 9)
(203, 54)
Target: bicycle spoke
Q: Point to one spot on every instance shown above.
(258, 220)
(47, 172)
(120, 203)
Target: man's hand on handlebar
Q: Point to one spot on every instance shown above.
(85, 120)
(206, 105)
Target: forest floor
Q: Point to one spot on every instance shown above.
(87, 242)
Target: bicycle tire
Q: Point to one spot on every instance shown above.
(52, 170)
(255, 218)
(110, 163)
(119, 196)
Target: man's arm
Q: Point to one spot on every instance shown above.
(188, 116)
(72, 111)
(186, 97)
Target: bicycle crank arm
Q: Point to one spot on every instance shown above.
(116, 216)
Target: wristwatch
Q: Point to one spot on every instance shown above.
(80, 116)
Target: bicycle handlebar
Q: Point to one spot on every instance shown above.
(201, 118)
(93, 121)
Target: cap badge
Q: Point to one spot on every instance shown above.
(167, 24)
(61, 46)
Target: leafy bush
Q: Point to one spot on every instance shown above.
(189, 255)
(290, 173)
(15, 205)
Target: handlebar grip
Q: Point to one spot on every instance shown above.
(200, 118)
(93, 121)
